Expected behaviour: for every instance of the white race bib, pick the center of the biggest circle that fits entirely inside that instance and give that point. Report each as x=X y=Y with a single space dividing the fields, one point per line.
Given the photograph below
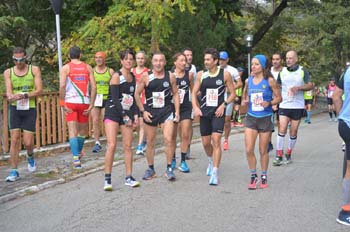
x=158 y=99
x=99 y=100
x=330 y=93
x=22 y=104
x=182 y=93
x=309 y=93
x=290 y=95
x=127 y=101
x=212 y=97
x=256 y=99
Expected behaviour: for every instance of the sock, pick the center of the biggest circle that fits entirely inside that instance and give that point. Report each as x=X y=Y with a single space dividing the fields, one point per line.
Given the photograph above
x=335 y=114
x=264 y=173
x=174 y=156
x=280 y=141
x=308 y=113
x=330 y=115
x=151 y=167
x=346 y=191
x=81 y=140
x=292 y=142
x=210 y=159
x=108 y=178
x=74 y=146
x=253 y=172
x=183 y=156
x=215 y=170
x=168 y=166
x=98 y=142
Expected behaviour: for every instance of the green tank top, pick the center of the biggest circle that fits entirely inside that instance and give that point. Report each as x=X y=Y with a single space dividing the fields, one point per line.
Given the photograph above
x=102 y=82
x=23 y=84
x=239 y=92
x=308 y=95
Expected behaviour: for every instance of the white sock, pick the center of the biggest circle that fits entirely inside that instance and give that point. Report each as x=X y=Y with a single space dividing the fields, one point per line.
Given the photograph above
x=292 y=142
x=280 y=141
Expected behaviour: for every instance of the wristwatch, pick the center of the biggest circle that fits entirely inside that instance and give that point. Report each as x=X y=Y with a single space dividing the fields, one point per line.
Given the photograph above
x=25 y=95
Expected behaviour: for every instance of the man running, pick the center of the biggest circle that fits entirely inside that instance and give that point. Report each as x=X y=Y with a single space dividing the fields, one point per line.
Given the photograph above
x=211 y=108
x=294 y=80
x=138 y=71
x=23 y=83
x=236 y=117
x=308 y=96
x=158 y=110
x=77 y=102
x=343 y=109
x=330 y=88
x=223 y=61
x=102 y=75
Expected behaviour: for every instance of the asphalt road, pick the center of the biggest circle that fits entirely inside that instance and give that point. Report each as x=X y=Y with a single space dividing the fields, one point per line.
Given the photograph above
x=303 y=196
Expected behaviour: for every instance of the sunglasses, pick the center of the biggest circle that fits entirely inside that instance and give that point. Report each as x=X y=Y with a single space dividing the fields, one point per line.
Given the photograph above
x=15 y=59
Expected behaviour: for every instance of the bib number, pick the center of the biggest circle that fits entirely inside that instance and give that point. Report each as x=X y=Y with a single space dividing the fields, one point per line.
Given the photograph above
x=290 y=95
x=212 y=97
x=257 y=99
x=127 y=101
x=182 y=93
x=99 y=100
x=22 y=104
x=158 y=99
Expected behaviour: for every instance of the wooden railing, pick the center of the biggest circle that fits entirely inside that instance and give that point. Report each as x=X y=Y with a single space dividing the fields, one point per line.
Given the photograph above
x=50 y=126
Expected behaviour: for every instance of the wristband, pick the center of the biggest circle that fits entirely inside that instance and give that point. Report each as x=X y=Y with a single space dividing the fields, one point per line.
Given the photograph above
x=62 y=103
x=141 y=112
x=225 y=104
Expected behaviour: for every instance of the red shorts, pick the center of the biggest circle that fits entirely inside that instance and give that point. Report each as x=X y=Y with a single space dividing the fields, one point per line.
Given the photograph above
x=77 y=114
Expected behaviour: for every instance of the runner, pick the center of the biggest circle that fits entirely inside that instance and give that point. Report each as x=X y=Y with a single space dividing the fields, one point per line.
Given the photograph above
x=76 y=77
x=223 y=61
x=184 y=82
x=211 y=108
x=121 y=112
x=261 y=92
x=329 y=93
x=23 y=84
x=308 y=96
x=138 y=71
x=102 y=75
x=236 y=117
x=294 y=80
x=343 y=109
x=158 y=111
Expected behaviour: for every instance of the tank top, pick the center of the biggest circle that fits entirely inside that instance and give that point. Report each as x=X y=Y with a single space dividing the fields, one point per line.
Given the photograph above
x=183 y=85
x=102 y=82
x=127 y=92
x=308 y=95
x=257 y=93
x=77 y=85
x=330 y=90
x=344 y=113
x=212 y=92
x=23 y=84
x=158 y=91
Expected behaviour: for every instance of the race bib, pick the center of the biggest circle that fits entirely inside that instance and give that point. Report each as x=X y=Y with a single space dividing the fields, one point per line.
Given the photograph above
x=257 y=99
x=290 y=95
x=212 y=97
x=158 y=99
x=127 y=101
x=23 y=104
x=309 y=93
x=182 y=93
x=99 y=100
x=330 y=94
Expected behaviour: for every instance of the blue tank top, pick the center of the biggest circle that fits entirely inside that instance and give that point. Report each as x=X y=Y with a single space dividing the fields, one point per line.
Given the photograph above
x=257 y=94
x=345 y=110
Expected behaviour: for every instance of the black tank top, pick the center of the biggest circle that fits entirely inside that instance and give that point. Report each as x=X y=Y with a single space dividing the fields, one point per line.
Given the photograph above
x=183 y=85
x=158 y=92
x=212 y=92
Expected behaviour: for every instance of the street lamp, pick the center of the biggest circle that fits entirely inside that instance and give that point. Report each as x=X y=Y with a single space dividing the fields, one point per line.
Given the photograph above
x=249 y=40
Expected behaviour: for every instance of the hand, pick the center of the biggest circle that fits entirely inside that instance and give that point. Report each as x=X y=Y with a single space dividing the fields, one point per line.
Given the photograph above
x=244 y=102
x=274 y=108
x=220 y=111
x=147 y=116
x=66 y=110
x=177 y=117
x=236 y=99
x=87 y=111
x=265 y=104
x=127 y=121
x=197 y=112
x=294 y=90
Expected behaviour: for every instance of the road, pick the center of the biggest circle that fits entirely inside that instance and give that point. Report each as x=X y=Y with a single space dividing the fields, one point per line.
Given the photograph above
x=303 y=196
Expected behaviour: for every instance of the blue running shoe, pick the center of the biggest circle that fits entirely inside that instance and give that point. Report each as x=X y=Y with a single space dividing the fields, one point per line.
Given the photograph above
x=97 y=148
x=169 y=174
x=13 y=176
x=139 y=150
x=76 y=162
x=31 y=163
x=344 y=218
x=149 y=174
x=209 y=168
x=173 y=163
x=144 y=146
x=184 y=167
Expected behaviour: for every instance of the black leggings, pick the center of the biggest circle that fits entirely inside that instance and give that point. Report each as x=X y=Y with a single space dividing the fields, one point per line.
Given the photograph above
x=344 y=132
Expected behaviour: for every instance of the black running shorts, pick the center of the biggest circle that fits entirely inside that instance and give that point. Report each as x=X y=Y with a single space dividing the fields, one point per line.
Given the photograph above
x=22 y=119
x=209 y=125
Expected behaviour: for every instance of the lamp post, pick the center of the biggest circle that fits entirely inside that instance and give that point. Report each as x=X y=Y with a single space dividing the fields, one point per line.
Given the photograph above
x=249 y=40
x=57 y=6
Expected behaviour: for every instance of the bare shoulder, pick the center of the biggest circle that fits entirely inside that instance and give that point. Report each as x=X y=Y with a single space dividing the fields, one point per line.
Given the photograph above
x=7 y=72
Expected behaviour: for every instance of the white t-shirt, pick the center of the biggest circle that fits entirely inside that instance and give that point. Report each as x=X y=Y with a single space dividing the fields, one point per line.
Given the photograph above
x=274 y=73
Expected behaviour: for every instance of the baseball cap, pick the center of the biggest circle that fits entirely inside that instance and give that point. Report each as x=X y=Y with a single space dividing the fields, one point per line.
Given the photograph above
x=223 y=55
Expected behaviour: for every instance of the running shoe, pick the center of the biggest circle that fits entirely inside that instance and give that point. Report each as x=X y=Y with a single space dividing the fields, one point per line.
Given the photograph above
x=225 y=146
x=149 y=174
x=31 y=163
x=263 y=183
x=344 y=217
x=270 y=147
x=97 y=148
x=309 y=122
x=214 y=180
x=108 y=185
x=239 y=124
x=184 y=167
x=209 y=168
x=330 y=120
x=336 y=119
x=173 y=163
x=130 y=181
x=343 y=147
x=13 y=176
x=277 y=161
x=288 y=159
x=169 y=174
x=253 y=182
x=139 y=150
x=188 y=153
x=76 y=162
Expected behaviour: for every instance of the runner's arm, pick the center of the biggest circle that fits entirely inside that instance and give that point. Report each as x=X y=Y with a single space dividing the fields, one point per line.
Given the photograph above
x=8 y=85
x=37 y=82
x=63 y=80
x=140 y=87
x=93 y=87
x=175 y=92
x=277 y=98
x=230 y=87
x=195 y=90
